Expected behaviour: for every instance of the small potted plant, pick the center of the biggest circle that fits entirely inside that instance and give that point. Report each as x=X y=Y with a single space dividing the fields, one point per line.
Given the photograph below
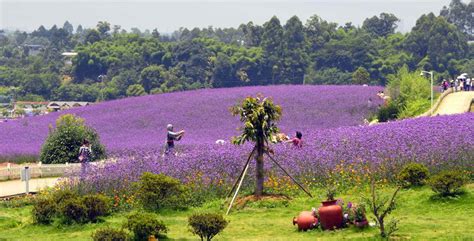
x=360 y=220
x=330 y=214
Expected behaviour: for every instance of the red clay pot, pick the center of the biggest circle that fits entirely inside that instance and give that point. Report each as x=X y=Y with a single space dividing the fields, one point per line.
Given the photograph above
x=305 y=221
x=330 y=215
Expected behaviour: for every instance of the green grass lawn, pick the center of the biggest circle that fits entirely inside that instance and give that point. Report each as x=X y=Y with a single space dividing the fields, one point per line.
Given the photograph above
x=421 y=218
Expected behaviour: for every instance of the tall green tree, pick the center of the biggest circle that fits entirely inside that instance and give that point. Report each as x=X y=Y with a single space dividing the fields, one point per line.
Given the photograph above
x=361 y=76
x=294 y=52
x=381 y=26
x=461 y=15
x=272 y=40
x=258 y=116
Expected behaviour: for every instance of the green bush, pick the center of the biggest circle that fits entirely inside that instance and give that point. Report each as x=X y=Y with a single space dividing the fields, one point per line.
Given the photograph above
x=96 y=205
x=62 y=195
x=73 y=211
x=44 y=210
x=448 y=183
x=207 y=225
x=157 y=191
x=388 y=112
x=413 y=174
x=415 y=108
x=63 y=143
x=109 y=234
x=142 y=225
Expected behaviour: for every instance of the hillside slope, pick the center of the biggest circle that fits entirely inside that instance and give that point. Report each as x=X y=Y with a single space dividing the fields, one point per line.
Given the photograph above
x=204 y=114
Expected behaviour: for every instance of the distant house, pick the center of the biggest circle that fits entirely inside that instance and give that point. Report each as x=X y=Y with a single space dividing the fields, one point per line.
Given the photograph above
x=63 y=105
x=68 y=57
x=33 y=49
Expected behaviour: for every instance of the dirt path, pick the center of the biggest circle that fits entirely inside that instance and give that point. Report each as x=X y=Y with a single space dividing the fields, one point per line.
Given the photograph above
x=8 y=188
x=455 y=103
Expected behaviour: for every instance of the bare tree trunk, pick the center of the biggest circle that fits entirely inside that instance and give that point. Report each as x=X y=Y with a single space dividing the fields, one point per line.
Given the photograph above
x=259 y=170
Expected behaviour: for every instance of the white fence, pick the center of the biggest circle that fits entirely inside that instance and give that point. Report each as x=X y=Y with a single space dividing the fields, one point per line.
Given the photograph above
x=37 y=170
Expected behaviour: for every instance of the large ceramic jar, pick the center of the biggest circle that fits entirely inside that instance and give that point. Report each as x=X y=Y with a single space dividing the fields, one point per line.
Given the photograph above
x=305 y=221
x=330 y=215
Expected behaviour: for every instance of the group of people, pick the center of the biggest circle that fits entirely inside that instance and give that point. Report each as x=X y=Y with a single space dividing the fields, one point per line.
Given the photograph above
x=85 y=151
x=461 y=83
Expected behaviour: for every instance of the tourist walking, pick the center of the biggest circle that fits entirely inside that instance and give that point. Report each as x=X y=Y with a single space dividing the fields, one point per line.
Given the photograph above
x=171 y=137
x=467 y=85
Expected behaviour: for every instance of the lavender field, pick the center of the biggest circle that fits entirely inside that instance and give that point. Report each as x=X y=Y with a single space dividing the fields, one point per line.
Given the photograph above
x=350 y=153
x=140 y=122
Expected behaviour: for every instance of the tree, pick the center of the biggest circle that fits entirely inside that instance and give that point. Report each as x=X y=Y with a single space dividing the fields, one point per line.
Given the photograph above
x=461 y=15
x=152 y=77
x=103 y=27
x=63 y=143
x=272 y=45
x=258 y=115
x=294 y=54
x=92 y=36
x=436 y=41
x=381 y=26
x=67 y=26
x=135 y=90
x=223 y=72
x=361 y=76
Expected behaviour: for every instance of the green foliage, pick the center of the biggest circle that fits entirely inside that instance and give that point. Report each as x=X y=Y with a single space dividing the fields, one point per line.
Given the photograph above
x=413 y=174
x=390 y=111
x=142 y=225
x=415 y=108
x=109 y=234
x=63 y=142
x=158 y=191
x=96 y=205
x=361 y=76
x=136 y=90
x=330 y=193
x=381 y=206
x=72 y=211
x=44 y=210
x=258 y=115
x=207 y=225
x=410 y=93
x=381 y=26
x=448 y=183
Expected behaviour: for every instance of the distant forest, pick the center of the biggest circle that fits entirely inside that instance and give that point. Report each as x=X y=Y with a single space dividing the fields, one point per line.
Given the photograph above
x=114 y=63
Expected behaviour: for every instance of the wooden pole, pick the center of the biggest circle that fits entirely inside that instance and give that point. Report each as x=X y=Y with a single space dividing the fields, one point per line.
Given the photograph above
x=242 y=172
x=302 y=188
x=238 y=187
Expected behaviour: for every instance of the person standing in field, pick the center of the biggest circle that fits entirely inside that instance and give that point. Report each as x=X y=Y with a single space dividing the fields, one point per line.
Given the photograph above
x=85 y=156
x=467 y=85
x=171 y=137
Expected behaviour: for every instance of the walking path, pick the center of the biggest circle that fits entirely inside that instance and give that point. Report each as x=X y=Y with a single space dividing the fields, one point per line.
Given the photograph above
x=455 y=103
x=14 y=187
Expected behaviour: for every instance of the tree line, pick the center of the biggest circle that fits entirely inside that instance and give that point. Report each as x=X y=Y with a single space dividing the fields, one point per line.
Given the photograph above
x=112 y=62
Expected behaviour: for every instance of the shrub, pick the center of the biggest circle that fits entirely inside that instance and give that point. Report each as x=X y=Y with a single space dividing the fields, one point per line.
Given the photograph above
x=157 y=191
x=142 y=225
x=73 y=211
x=448 y=183
x=109 y=234
x=63 y=143
x=413 y=174
x=388 y=112
x=44 y=210
x=207 y=225
x=96 y=205
x=62 y=195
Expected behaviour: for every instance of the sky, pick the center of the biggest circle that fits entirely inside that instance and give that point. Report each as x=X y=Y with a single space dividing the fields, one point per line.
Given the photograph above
x=167 y=16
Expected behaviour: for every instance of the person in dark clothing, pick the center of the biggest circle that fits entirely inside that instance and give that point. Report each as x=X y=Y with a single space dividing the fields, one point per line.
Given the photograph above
x=171 y=137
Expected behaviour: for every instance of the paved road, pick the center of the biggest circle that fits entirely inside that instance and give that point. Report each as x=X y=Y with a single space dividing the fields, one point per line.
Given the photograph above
x=8 y=188
x=455 y=103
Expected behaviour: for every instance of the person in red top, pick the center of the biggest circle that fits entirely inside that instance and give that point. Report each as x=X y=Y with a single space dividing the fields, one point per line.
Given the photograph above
x=297 y=141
